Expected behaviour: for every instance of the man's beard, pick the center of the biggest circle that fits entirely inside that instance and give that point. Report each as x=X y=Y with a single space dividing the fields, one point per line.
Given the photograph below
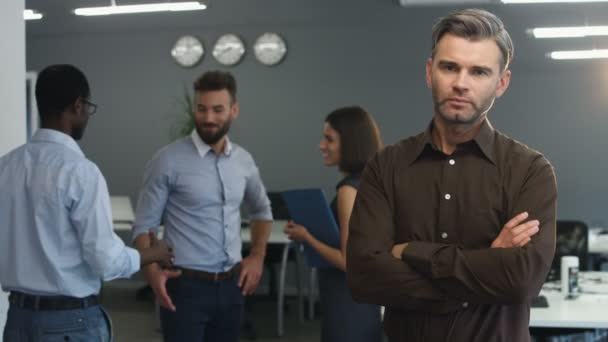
x=212 y=138
x=477 y=112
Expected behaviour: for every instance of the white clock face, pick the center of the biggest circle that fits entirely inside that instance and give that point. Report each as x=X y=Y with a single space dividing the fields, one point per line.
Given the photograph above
x=187 y=51
x=270 y=49
x=229 y=49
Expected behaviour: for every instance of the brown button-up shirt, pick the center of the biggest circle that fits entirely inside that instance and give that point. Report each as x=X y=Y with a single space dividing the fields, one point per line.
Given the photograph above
x=450 y=285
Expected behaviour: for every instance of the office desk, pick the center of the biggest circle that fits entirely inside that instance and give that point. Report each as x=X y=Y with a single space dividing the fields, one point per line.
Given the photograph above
x=122 y=210
x=588 y=311
x=122 y=214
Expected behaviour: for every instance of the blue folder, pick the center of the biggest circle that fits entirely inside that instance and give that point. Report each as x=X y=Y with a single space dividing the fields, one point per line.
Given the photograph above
x=309 y=208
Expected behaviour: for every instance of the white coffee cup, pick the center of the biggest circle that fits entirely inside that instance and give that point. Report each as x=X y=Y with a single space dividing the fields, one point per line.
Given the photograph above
x=569 y=275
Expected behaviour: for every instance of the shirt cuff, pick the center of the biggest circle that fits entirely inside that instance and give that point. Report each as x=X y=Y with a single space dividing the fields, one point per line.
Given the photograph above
x=261 y=216
x=428 y=259
x=134 y=260
x=139 y=229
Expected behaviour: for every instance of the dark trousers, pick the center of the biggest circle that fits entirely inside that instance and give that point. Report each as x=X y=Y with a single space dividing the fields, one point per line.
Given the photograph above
x=206 y=310
x=343 y=319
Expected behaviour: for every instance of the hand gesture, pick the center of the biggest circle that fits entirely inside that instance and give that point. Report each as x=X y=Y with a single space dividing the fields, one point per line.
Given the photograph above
x=516 y=232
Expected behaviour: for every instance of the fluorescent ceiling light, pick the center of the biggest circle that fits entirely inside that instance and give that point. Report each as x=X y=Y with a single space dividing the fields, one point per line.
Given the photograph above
x=547 y=1
x=569 y=32
x=143 y=8
x=29 y=14
x=579 y=54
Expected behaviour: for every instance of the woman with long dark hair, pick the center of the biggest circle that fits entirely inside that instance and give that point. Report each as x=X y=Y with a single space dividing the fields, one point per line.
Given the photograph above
x=350 y=138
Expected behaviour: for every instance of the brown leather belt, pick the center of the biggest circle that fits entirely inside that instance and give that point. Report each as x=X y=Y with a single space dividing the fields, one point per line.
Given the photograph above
x=211 y=276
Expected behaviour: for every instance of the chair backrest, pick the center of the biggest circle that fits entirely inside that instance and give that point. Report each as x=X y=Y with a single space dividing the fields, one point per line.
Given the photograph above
x=279 y=208
x=572 y=238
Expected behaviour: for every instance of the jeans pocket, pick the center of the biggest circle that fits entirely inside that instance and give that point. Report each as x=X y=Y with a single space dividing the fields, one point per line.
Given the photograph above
x=70 y=330
x=108 y=319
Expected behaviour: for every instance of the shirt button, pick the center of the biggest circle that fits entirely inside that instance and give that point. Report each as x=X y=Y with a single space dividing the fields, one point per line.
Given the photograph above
x=465 y=305
x=447 y=196
x=452 y=162
x=444 y=235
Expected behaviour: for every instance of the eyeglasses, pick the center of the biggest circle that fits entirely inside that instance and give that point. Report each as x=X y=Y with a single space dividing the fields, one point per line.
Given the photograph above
x=91 y=107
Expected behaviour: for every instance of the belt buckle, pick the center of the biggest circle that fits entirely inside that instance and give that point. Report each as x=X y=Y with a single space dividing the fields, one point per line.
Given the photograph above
x=215 y=276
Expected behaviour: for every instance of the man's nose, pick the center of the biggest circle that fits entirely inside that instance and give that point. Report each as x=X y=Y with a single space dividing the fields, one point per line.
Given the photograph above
x=461 y=82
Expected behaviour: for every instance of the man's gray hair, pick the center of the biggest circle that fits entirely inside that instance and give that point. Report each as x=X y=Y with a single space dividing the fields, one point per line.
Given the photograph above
x=475 y=24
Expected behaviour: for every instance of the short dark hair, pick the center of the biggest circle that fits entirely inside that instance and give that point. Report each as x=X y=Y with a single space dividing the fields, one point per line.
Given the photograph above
x=217 y=80
x=475 y=24
x=359 y=137
x=59 y=86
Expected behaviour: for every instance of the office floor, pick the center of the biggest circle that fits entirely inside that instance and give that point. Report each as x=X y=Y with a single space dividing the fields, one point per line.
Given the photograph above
x=134 y=321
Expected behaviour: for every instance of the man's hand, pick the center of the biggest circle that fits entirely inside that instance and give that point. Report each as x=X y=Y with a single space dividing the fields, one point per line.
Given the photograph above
x=398 y=250
x=251 y=272
x=158 y=251
x=516 y=232
x=157 y=278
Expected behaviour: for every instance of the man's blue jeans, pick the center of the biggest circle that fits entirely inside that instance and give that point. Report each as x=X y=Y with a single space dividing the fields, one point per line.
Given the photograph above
x=207 y=311
x=81 y=325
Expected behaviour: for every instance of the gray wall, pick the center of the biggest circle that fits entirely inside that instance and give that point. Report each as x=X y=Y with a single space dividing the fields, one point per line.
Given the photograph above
x=363 y=52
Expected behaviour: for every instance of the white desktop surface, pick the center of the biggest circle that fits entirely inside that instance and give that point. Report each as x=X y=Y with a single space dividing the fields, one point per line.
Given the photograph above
x=586 y=311
x=122 y=210
x=122 y=213
x=277 y=236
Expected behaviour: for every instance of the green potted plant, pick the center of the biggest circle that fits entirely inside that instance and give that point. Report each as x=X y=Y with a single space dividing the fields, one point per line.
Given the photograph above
x=184 y=120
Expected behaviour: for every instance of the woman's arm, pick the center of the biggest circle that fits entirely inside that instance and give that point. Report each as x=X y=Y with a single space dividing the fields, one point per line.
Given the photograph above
x=337 y=257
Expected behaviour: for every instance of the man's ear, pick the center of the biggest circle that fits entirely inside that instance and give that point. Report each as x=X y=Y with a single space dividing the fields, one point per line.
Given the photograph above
x=503 y=83
x=235 y=110
x=429 y=68
x=76 y=106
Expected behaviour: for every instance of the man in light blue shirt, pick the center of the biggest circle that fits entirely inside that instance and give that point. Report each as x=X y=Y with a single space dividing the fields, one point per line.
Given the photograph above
x=57 y=240
x=195 y=187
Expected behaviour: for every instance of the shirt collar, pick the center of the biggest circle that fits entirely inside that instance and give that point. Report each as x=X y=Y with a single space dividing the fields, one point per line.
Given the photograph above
x=55 y=136
x=484 y=140
x=203 y=148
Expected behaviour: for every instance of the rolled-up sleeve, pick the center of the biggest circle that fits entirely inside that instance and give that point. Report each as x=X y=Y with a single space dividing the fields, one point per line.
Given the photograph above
x=153 y=196
x=256 y=199
x=91 y=216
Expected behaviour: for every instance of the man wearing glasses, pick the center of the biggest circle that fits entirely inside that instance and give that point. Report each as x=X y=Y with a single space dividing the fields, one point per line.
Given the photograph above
x=57 y=240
